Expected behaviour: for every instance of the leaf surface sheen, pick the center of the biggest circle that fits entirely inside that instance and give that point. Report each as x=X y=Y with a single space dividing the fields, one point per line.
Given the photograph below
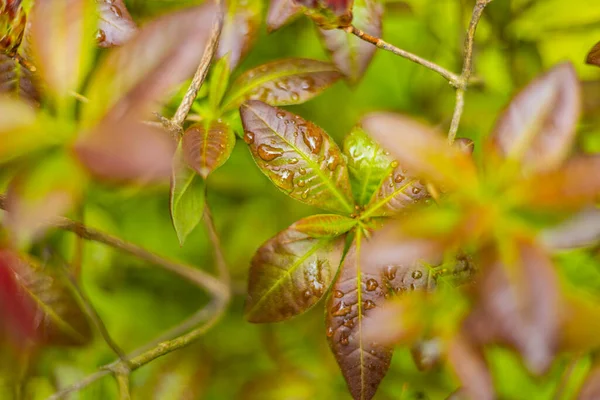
x=281 y=13
x=207 y=146
x=116 y=25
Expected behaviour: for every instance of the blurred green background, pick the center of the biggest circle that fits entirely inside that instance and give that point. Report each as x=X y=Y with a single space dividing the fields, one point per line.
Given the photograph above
x=516 y=40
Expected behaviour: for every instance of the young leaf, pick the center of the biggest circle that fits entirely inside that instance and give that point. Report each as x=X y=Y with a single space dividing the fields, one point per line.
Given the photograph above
x=59 y=319
x=138 y=74
x=290 y=273
x=187 y=197
x=281 y=12
x=325 y=226
x=297 y=156
x=116 y=25
x=358 y=290
x=593 y=57
x=17 y=81
x=282 y=83
x=240 y=29
x=219 y=81
x=206 y=146
x=538 y=128
x=349 y=53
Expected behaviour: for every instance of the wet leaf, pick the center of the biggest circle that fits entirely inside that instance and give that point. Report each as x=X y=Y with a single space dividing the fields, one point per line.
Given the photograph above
x=520 y=310
x=298 y=157
x=324 y=226
x=240 y=29
x=538 y=128
x=133 y=77
x=358 y=291
x=290 y=273
x=187 y=197
x=470 y=366
x=13 y=19
x=219 y=81
x=421 y=150
x=593 y=57
x=58 y=317
x=206 y=146
x=116 y=25
x=283 y=82
x=17 y=81
x=281 y=12
x=62 y=43
x=349 y=53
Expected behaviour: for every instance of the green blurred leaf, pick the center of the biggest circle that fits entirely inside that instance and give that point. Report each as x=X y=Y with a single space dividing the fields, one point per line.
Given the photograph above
x=219 y=81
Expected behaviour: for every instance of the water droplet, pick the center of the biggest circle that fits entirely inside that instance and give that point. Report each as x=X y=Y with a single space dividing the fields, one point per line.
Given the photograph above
x=313 y=139
x=333 y=161
x=249 y=137
x=308 y=294
x=372 y=285
x=413 y=286
x=369 y=305
x=286 y=179
x=338 y=294
x=344 y=340
x=305 y=194
x=417 y=274
x=116 y=10
x=301 y=183
x=329 y=331
x=295 y=96
x=280 y=115
x=416 y=190
x=294 y=161
x=340 y=310
x=349 y=323
x=394 y=164
x=399 y=178
x=281 y=85
x=390 y=272
x=100 y=36
x=302 y=171
x=269 y=153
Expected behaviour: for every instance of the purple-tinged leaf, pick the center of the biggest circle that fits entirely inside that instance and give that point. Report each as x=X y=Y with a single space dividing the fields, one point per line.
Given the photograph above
x=593 y=57
x=281 y=12
x=519 y=309
x=421 y=150
x=325 y=226
x=349 y=53
x=206 y=146
x=358 y=291
x=290 y=273
x=116 y=25
x=582 y=230
x=137 y=75
x=471 y=368
x=282 y=83
x=187 y=197
x=240 y=29
x=297 y=156
x=538 y=128
x=17 y=81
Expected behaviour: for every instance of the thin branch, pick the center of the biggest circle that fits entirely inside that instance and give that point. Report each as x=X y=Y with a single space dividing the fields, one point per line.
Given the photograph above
x=82 y=384
x=122 y=379
x=450 y=76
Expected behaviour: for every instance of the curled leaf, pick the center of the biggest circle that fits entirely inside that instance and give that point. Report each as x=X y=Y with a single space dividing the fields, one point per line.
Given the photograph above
x=291 y=273
x=281 y=12
x=206 y=146
x=240 y=29
x=593 y=57
x=281 y=83
x=116 y=25
x=298 y=157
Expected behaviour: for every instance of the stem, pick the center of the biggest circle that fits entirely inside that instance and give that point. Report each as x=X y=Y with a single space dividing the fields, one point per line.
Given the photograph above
x=123 y=384
x=450 y=76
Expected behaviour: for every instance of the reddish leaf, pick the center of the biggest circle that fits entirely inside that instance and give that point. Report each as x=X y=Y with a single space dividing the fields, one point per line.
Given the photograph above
x=207 y=148
x=240 y=29
x=298 y=157
x=349 y=53
x=116 y=25
x=521 y=311
x=329 y=14
x=283 y=82
x=138 y=74
x=359 y=289
x=470 y=366
x=281 y=12
x=421 y=150
x=290 y=273
x=12 y=25
x=582 y=230
x=17 y=81
x=538 y=127
x=593 y=57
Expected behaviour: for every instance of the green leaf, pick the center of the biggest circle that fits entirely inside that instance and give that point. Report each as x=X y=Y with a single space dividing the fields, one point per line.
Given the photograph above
x=17 y=81
x=240 y=29
x=290 y=273
x=281 y=83
x=298 y=157
x=207 y=146
x=219 y=81
x=325 y=226
x=187 y=197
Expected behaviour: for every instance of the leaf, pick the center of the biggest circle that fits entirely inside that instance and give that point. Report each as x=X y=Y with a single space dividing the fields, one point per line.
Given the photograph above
x=325 y=226
x=590 y=390
x=420 y=149
x=20 y=130
x=281 y=12
x=206 y=146
x=328 y=14
x=582 y=230
x=349 y=53
x=359 y=289
x=187 y=197
x=133 y=77
x=17 y=81
x=116 y=25
x=58 y=317
x=12 y=25
x=219 y=81
x=240 y=29
x=519 y=309
x=593 y=57
x=297 y=156
x=62 y=42
x=580 y=323
x=538 y=128
x=470 y=366
x=290 y=273
x=282 y=83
